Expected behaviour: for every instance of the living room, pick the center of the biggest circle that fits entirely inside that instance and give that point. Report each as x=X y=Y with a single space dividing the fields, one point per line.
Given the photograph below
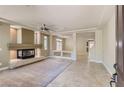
x=47 y=50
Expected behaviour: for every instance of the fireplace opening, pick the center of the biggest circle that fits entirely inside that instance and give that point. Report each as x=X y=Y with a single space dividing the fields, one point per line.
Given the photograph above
x=25 y=53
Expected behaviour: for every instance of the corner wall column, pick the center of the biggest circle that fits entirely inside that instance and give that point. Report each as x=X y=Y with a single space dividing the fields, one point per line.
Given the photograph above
x=51 y=44
x=74 y=41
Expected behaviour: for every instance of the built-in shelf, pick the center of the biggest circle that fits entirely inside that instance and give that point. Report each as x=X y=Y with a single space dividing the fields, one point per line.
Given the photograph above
x=13 y=46
x=62 y=54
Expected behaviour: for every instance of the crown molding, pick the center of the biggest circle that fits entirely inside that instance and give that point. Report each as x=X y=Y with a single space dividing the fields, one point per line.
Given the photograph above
x=93 y=29
x=15 y=23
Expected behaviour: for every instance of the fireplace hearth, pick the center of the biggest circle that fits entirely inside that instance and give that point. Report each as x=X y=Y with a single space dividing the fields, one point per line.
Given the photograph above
x=25 y=53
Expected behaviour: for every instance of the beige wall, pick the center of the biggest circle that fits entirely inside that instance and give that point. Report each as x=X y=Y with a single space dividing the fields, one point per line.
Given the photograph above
x=27 y=36
x=45 y=52
x=69 y=44
x=63 y=43
x=13 y=54
x=54 y=42
x=23 y=36
x=81 y=45
x=13 y=35
x=82 y=39
x=77 y=43
x=109 y=44
x=4 y=40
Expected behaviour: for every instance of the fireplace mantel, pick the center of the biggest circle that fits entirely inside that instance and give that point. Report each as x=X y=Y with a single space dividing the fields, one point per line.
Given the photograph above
x=14 y=46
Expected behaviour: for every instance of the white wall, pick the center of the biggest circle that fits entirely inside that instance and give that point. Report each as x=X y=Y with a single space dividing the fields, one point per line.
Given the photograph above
x=109 y=44
x=74 y=54
x=96 y=53
x=99 y=46
x=81 y=40
x=4 y=40
x=69 y=44
x=92 y=53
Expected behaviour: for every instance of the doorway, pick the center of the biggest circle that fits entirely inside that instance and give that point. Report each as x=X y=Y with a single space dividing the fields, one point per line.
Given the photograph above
x=85 y=41
x=90 y=50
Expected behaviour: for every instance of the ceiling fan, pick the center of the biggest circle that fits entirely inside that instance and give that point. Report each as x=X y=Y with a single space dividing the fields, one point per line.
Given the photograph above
x=44 y=27
x=47 y=28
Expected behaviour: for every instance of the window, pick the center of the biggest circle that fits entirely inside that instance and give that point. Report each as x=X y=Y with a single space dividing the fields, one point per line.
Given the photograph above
x=58 y=44
x=45 y=42
x=37 y=37
x=91 y=44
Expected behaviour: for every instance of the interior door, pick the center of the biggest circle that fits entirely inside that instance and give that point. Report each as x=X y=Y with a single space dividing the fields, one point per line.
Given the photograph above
x=120 y=45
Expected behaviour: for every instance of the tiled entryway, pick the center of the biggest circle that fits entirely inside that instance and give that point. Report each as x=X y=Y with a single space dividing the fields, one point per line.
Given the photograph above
x=83 y=74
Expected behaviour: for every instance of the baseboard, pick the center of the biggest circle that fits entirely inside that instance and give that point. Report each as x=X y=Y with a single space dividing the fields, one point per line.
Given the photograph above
x=96 y=61
x=4 y=68
x=60 y=57
x=107 y=68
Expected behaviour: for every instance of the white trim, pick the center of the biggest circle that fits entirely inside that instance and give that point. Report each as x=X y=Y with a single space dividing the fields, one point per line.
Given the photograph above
x=93 y=29
x=61 y=57
x=4 y=68
x=16 y=23
x=96 y=61
x=107 y=68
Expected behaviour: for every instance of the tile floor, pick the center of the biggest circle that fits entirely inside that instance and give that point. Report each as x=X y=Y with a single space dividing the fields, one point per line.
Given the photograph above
x=83 y=74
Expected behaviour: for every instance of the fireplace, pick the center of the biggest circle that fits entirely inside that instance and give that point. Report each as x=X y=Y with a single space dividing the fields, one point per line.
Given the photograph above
x=25 y=53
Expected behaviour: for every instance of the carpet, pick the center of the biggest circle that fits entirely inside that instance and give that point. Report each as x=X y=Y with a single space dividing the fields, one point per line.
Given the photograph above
x=38 y=74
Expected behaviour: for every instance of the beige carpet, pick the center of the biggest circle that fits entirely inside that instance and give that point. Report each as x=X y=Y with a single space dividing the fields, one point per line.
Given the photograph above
x=39 y=74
